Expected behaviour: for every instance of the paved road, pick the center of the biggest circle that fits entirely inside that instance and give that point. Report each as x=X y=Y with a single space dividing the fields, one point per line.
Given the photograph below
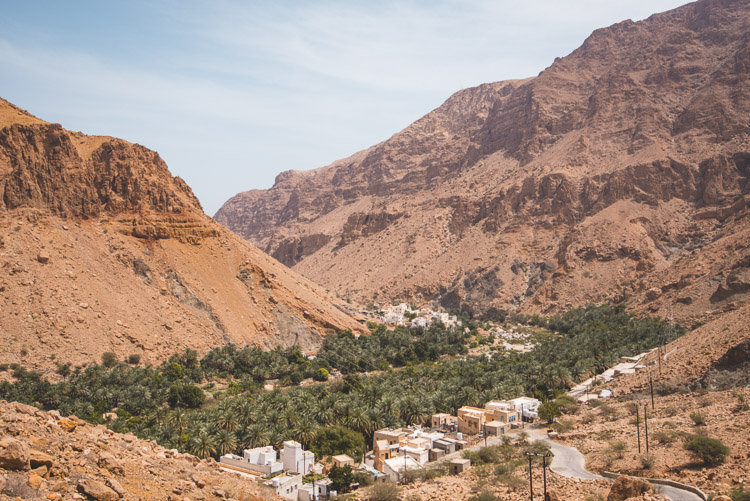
x=568 y=462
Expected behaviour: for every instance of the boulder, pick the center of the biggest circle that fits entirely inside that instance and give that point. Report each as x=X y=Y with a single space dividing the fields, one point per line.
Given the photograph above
x=97 y=490
x=109 y=462
x=38 y=458
x=43 y=257
x=628 y=487
x=67 y=424
x=35 y=481
x=116 y=486
x=722 y=498
x=14 y=454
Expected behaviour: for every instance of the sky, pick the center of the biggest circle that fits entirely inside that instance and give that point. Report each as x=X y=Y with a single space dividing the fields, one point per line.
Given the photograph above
x=231 y=93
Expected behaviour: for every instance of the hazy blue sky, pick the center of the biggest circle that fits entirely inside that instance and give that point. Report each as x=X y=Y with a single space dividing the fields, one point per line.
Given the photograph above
x=231 y=93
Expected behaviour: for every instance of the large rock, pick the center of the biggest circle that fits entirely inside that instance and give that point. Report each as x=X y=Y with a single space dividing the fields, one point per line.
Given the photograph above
x=97 y=490
x=14 y=454
x=38 y=458
x=67 y=424
x=109 y=462
x=628 y=487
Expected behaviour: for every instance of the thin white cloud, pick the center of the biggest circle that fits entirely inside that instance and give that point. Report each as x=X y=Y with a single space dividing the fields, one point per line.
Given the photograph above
x=232 y=92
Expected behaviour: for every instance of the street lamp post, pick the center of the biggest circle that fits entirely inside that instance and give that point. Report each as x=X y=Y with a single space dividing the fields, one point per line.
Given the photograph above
x=544 y=472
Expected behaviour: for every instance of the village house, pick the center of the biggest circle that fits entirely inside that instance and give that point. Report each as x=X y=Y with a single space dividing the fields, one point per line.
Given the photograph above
x=460 y=466
x=382 y=451
x=394 y=467
x=342 y=460
x=528 y=407
x=495 y=428
x=260 y=460
x=322 y=490
x=296 y=460
x=418 y=454
x=286 y=486
x=472 y=419
x=444 y=421
x=504 y=412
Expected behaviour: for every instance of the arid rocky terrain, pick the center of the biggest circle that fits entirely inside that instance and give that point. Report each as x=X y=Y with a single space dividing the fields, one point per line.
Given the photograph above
x=47 y=456
x=619 y=173
x=101 y=249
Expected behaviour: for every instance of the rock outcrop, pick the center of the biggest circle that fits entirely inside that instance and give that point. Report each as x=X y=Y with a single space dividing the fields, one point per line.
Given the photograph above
x=623 y=167
x=93 y=462
x=101 y=249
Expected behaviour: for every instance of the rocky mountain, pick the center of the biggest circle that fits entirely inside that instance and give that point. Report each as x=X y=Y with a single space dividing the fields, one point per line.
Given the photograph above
x=46 y=456
x=619 y=173
x=101 y=249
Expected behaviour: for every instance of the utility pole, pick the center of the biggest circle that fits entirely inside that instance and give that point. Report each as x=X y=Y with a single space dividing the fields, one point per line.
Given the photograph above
x=645 y=422
x=484 y=432
x=651 y=382
x=638 y=425
x=531 y=481
x=544 y=472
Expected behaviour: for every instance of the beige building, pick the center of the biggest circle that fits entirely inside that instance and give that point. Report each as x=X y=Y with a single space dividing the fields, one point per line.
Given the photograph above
x=343 y=460
x=472 y=419
x=443 y=420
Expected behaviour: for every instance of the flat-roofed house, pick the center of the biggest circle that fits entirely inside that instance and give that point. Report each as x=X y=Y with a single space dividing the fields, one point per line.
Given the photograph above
x=443 y=420
x=286 y=486
x=260 y=460
x=343 y=460
x=471 y=419
x=295 y=459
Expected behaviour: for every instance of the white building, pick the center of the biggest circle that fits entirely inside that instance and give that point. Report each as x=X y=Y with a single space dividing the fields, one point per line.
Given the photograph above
x=419 y=322
x=529 y=407
x=295 y=459
x=322 y=491
x=260 y=460
x=418 y=454
x=394 y=467
x=286 y=486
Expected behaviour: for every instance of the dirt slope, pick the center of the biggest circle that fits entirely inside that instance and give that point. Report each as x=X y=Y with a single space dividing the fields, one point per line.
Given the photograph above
x=619 y=171
x=46 y=456
x=101 y=249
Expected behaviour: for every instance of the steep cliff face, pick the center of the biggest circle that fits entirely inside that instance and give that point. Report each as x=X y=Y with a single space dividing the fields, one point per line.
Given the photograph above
x=101 y=249
x=621 y=168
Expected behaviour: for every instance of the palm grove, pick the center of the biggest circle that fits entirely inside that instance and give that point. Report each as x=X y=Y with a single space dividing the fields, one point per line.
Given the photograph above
x=217 y=405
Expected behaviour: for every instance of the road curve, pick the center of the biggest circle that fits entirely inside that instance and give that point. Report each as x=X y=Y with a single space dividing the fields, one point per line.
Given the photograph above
x=568 y=462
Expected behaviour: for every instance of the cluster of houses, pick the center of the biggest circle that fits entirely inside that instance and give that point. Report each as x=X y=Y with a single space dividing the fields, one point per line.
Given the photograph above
x=394 y=450
x=286 y=470
x=397 y=450
x=402 y=314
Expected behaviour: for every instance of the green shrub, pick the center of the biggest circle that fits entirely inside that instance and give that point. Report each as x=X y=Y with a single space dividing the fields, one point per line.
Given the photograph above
x=710 y=451
x=134 y=359
x=109 y=359
x=511 y=481
x=384 y=491
x=647 y=461
x=338 y=440
x=698 y=418
x=664 y=437
x=321 y=374
x=485 y=495
x=489 y=454
x=564 y=425
x=548 y=411
x=739 y=494
x=617 y=448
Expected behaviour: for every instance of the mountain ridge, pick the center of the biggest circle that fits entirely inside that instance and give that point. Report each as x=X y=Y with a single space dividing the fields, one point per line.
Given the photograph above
x=578 y=185
x=101 y=249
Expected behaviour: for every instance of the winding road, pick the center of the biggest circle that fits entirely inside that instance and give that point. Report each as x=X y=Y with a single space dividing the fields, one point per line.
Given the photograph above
x=568 y=462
